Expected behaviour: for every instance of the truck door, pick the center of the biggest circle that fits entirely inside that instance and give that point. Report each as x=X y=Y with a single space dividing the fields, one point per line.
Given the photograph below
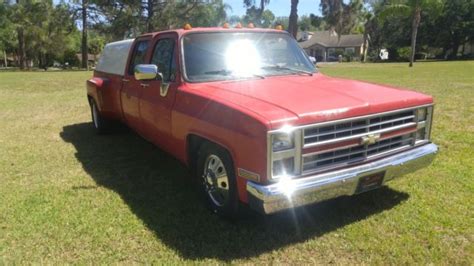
x=132 y=88
x=157 y=99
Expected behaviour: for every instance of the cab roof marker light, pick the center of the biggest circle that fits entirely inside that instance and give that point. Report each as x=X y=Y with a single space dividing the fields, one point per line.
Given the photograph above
x=187 y=26
x=238 y=26
x=250 y=25
x=225 y=25
x=279 y=27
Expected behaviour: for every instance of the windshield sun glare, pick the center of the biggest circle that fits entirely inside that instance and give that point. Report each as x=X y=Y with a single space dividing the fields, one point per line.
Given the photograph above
x=214 y=56
x=242 y=58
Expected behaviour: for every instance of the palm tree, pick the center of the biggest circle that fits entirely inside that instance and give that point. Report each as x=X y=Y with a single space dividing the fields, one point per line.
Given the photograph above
x=293 y=20
x=369 y=20
x=414 y=8
x=263 y=3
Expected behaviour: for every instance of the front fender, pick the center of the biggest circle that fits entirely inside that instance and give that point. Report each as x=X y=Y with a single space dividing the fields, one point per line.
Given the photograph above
x=240 y=133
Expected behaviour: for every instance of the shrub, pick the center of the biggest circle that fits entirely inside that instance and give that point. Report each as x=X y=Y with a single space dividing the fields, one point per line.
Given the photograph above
x=404 y=53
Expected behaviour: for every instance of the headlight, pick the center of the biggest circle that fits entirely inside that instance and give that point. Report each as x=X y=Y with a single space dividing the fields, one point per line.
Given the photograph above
x=282 y=141
x=283 y=167
x=424 y=117
x=421 y=114
x=284 y=151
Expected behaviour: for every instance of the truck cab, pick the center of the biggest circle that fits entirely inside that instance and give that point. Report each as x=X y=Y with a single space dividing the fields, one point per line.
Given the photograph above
x=247 y=111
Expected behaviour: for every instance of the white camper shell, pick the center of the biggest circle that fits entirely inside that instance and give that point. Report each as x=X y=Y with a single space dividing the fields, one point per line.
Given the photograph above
x=114 y=57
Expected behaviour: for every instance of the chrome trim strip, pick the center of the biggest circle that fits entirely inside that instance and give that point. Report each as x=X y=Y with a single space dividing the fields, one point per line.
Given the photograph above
x=356 y=152
x=359 y=135
x=298 y=192
x=354 y=118
x=348 y=163
x=360 y=127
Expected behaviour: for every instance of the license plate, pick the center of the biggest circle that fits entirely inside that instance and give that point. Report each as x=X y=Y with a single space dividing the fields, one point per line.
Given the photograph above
x=370 y=182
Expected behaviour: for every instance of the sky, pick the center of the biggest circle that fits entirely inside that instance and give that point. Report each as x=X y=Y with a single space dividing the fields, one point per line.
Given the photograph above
x=281 y=8
x=278 y=7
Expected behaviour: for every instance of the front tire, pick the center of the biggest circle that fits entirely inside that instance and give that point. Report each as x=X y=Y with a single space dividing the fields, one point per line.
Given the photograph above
x=217 y=180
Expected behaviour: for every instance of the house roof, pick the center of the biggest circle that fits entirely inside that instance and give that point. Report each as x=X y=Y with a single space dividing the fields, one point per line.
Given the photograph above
x=90 y=57
x=328 y=39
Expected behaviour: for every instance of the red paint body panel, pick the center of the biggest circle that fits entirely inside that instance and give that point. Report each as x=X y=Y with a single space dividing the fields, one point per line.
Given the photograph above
x=302 y=99
x=238 y=114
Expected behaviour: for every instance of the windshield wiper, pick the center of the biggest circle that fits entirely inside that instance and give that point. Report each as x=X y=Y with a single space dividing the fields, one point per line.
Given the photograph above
x=223 y=72
x=277 y=67
x=226 y=72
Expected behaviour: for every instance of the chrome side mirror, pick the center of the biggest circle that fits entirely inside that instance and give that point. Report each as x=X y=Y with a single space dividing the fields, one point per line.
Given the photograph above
x=146 y=72
x=312 y=59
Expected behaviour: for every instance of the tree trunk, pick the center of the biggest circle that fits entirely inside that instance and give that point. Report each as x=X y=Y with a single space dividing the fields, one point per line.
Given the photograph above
x=21 y=48
x=84 y=35
x=150 y=11
x=293 y=23
x=21 y=45
x=5 y=58
x=364 y=48
x=366 y=42
x=414 y=31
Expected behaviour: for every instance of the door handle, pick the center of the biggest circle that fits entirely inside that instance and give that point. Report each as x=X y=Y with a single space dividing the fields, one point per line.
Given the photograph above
x=125 y=80
x=144 y=85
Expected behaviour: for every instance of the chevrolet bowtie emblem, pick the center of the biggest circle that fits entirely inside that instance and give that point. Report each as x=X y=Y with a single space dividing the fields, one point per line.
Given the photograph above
x=370 y=139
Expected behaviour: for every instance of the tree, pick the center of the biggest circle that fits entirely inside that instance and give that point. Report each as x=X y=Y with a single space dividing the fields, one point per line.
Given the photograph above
x=84 y=49
x=341 y=17
x=256 y=12
x=7 y=33
x=368 y=25
x=455 y=27
x=413 y=7
x=19 y=18
x=293 y=22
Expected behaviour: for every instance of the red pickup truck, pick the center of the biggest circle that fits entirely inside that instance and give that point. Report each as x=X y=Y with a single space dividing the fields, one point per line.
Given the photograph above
x=246 y=110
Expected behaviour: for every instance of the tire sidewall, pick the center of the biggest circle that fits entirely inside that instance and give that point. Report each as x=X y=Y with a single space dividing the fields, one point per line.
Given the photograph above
x=101 y=125
x=95 y=116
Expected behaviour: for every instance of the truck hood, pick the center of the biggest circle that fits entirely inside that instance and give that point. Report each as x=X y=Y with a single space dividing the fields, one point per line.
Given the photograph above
x=298 y=100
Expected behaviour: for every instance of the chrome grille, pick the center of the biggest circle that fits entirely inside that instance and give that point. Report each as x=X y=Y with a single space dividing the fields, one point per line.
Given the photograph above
x=344 y=156
x=358 y=127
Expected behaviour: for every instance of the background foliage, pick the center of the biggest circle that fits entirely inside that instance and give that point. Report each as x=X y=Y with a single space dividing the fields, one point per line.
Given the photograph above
x=39 y=32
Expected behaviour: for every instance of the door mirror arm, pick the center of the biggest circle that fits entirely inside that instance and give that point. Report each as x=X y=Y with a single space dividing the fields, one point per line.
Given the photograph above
x=150 y=72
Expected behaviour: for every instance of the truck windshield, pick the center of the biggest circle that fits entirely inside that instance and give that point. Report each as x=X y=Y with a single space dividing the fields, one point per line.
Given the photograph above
x=238 y=55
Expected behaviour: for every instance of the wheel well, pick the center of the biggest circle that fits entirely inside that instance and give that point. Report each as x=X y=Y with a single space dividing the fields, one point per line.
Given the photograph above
x=90 y=99
x=194 y=143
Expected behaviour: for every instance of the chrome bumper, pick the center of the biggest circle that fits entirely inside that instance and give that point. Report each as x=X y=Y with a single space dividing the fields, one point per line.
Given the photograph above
x=297 y=192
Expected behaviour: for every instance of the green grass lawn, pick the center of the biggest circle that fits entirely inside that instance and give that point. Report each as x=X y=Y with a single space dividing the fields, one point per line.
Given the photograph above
x=67 y=195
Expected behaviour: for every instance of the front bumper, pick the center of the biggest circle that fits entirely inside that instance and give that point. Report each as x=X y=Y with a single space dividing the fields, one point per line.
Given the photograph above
x=297 y=192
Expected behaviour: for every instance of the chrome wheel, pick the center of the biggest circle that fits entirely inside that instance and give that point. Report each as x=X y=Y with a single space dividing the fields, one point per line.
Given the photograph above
x=215 y=180
x=95 y=115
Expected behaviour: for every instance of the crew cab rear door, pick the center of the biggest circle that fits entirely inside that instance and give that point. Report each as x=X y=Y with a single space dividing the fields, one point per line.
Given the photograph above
x=132 y=88
x=158 y=96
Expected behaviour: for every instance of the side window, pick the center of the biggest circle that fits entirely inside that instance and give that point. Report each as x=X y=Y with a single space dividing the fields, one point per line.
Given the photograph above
x=163 y=57
x=138 y=57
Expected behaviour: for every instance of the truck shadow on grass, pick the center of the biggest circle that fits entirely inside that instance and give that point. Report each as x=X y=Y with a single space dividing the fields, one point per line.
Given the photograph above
x=160 y=192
